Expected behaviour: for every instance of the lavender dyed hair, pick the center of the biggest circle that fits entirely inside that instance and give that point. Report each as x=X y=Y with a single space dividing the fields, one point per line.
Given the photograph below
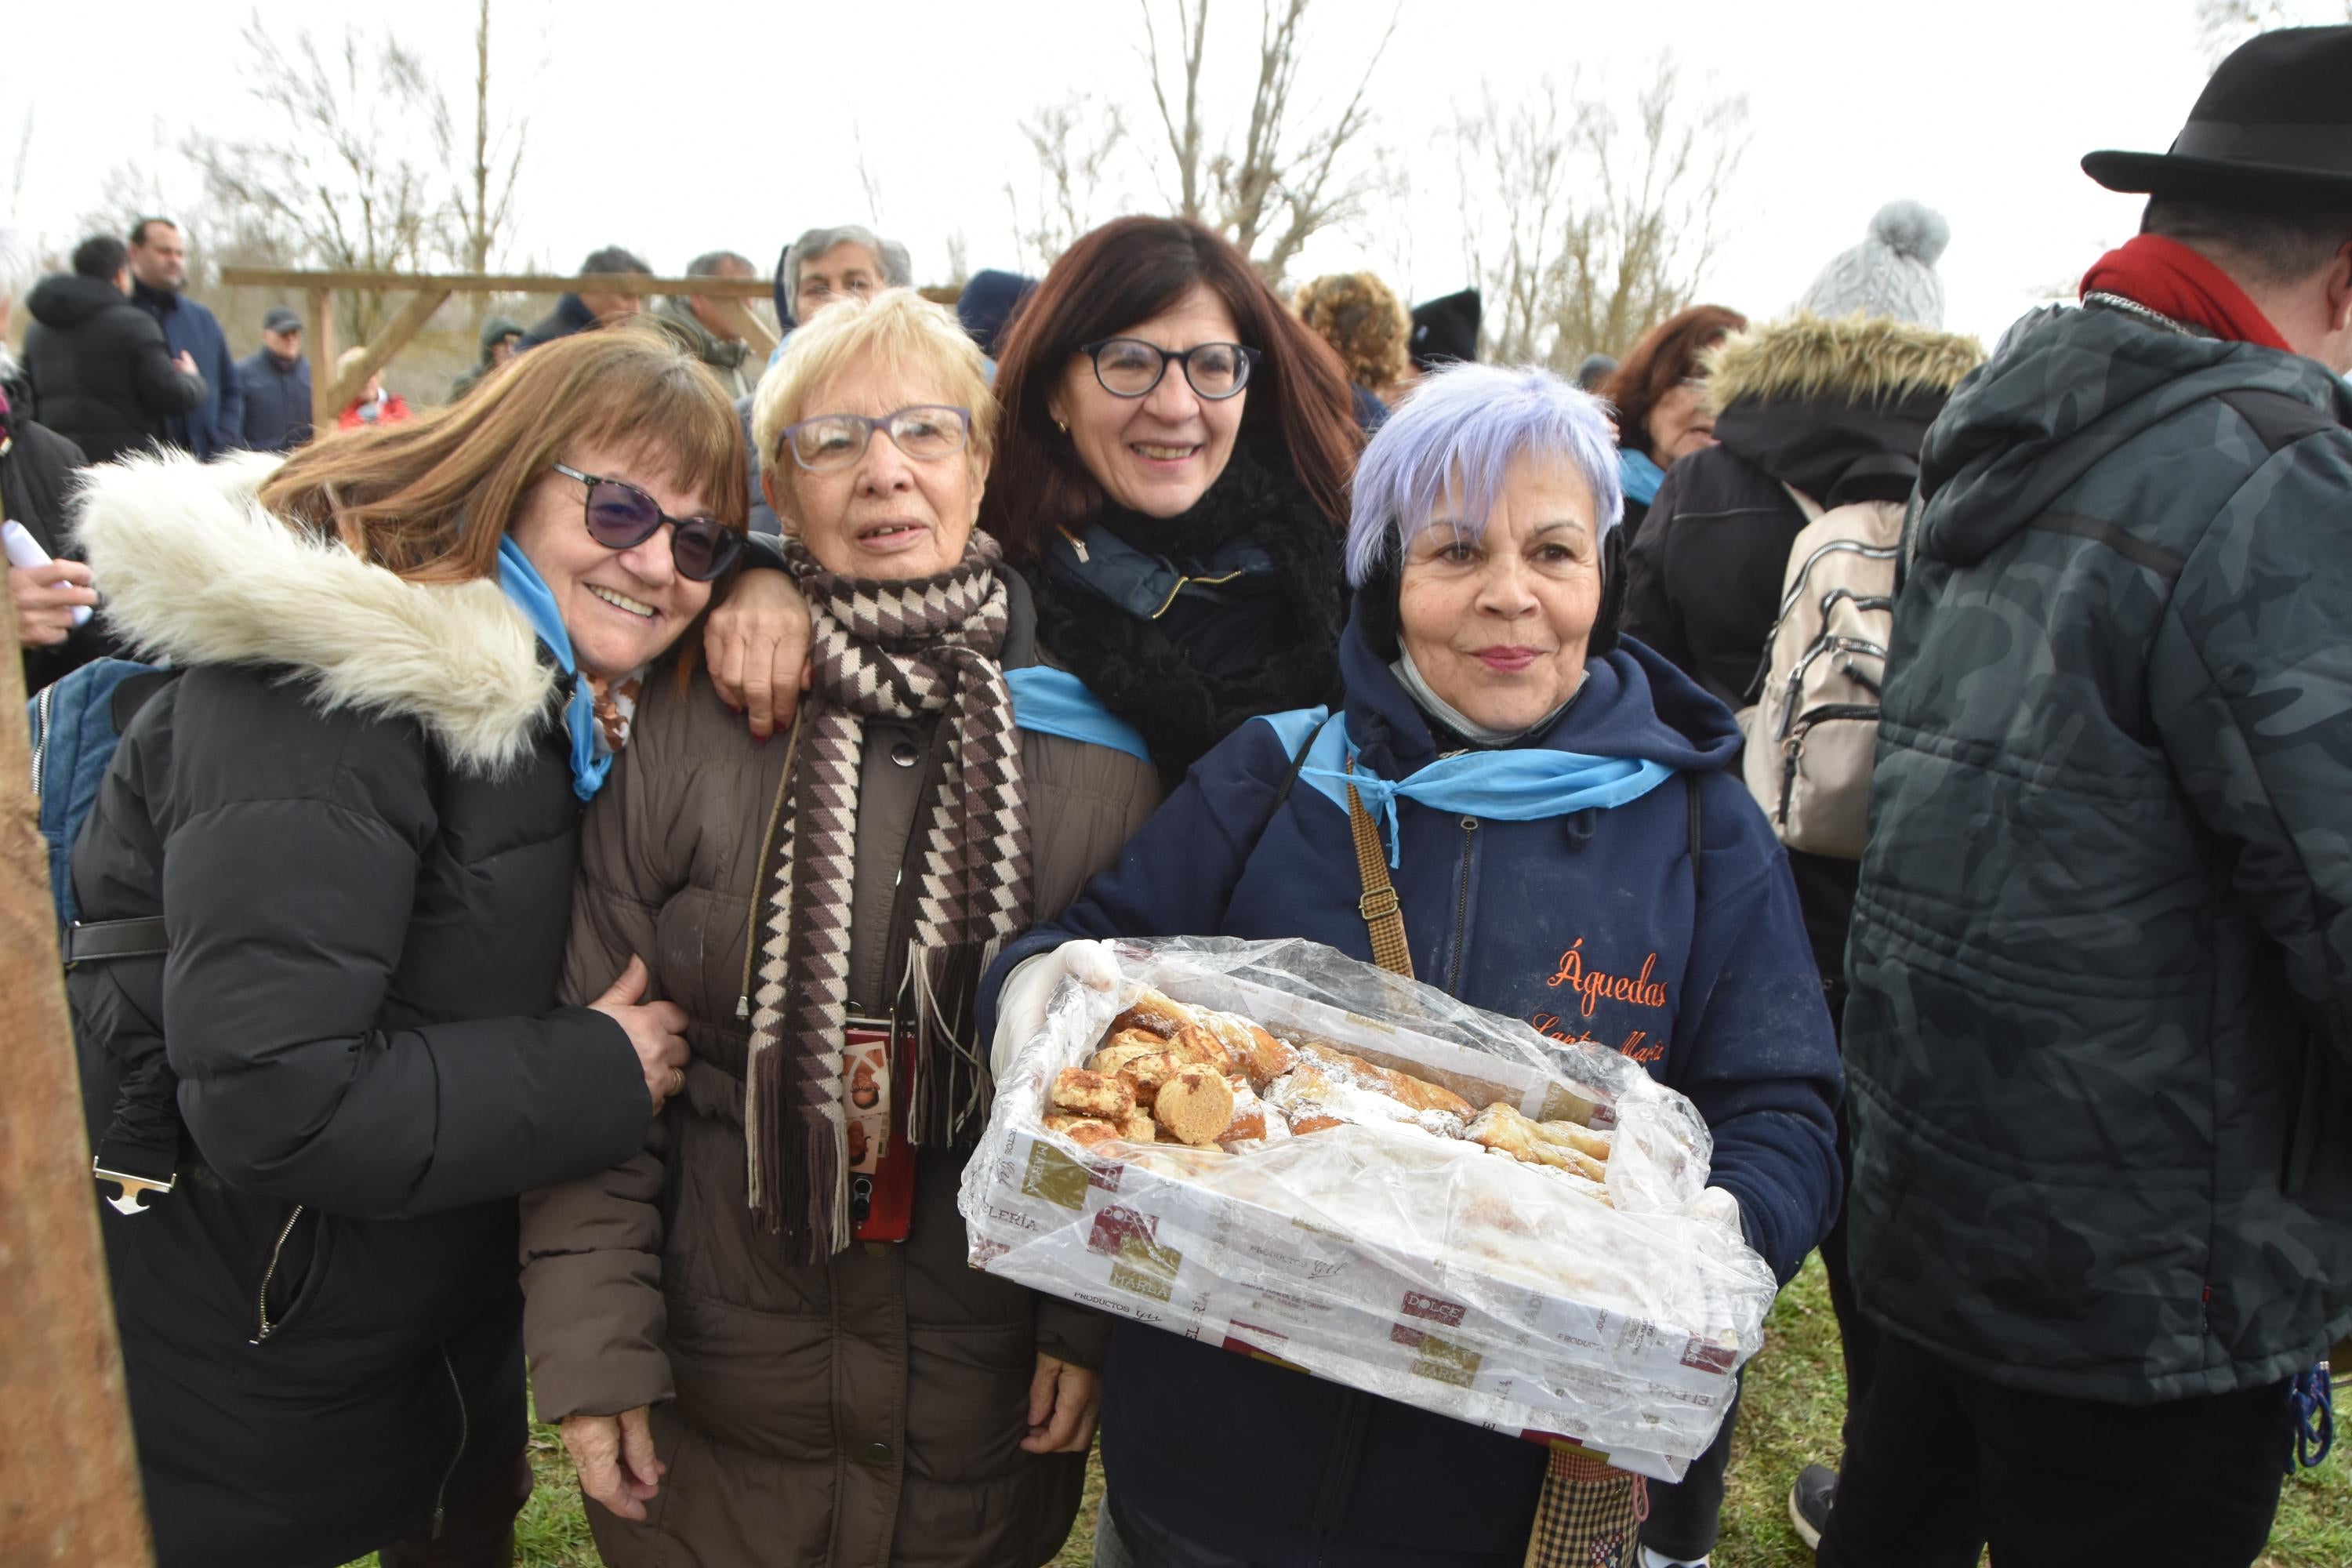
x=1466 y=424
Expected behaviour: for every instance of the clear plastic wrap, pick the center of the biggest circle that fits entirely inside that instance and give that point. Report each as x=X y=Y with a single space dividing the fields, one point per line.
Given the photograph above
x=1417 y=1268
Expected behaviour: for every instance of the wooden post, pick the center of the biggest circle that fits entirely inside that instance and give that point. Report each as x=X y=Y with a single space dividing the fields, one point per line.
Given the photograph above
x=65 y=1428
x=395 y=337
x=324 y=408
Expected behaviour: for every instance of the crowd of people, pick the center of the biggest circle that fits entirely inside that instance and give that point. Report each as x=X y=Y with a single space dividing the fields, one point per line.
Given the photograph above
x=455 y=942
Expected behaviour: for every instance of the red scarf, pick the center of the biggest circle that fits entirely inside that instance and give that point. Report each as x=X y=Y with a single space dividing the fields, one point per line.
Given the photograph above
x=2173 y=281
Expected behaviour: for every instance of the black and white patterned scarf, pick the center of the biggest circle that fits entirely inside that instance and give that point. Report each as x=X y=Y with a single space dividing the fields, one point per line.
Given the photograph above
x=882 y=649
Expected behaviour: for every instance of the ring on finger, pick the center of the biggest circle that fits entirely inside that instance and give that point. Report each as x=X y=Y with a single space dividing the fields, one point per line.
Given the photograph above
x=677 y=1079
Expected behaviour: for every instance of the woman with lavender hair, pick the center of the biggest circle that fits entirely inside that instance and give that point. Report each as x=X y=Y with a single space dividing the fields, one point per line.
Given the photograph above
x=1561 y=813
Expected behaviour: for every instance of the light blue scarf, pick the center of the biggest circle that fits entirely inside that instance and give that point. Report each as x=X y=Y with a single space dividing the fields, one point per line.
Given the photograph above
x=1052 y=702
x=1527 y=784
x=1640 y=476
x=530 y=593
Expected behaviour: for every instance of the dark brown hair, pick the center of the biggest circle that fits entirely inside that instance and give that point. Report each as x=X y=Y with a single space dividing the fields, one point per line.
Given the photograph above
x=431 y=498
x=1124 y=273
x=1667 y=356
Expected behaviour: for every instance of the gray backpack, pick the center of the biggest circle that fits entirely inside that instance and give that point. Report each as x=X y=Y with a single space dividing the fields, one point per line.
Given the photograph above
x=1812 y=731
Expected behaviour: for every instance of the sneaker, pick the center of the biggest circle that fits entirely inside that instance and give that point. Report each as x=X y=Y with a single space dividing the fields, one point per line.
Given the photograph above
x=1650 y=1559
x=1810 y=1500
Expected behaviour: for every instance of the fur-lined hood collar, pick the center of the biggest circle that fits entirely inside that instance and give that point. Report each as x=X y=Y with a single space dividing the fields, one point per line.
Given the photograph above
x=195 y=571
x=1856 y=360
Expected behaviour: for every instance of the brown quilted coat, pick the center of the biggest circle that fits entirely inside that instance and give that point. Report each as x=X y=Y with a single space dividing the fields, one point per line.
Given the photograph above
x=863 y=1412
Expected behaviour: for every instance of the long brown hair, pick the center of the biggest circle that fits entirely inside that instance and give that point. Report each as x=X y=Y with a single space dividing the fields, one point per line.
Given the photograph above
x=430 y=498
x=1123 y=273
x=1667 y=356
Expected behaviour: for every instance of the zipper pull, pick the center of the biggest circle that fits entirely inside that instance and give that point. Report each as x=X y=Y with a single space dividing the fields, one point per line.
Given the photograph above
x=743 y=1007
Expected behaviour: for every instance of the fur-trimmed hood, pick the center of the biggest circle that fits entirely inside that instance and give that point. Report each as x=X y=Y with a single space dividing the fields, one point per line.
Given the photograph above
x=1824 y=405
x=195 y=571
x=1860 y=359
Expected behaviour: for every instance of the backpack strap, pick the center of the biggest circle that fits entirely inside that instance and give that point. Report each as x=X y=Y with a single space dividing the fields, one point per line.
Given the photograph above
x=95 y=942
x=1379 y=906
x=1298 y=762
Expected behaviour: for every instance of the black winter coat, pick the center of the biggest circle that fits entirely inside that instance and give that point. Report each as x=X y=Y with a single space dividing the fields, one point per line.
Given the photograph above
x=102 y=375
x=1835 y=409
x=371 y=831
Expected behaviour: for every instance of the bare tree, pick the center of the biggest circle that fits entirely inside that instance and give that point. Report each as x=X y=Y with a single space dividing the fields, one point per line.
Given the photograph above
x=1585 y=221
x=1077 y=143
x=339 y=186
x=1299 y=166
x=483 y=205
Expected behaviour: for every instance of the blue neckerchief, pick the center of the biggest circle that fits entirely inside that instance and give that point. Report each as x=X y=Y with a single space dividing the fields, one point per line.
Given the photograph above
x=1054 y=702
x=530 y=593
x=1640 y=476
x=1527 y=783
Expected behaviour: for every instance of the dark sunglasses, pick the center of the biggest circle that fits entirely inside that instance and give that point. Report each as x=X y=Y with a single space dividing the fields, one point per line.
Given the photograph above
x=622 y=517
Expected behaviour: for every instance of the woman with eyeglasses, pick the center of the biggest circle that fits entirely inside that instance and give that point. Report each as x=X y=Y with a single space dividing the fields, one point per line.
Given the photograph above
x=1172 y=484
x=334 y=853
x=760 y=1334
x=1659 y=395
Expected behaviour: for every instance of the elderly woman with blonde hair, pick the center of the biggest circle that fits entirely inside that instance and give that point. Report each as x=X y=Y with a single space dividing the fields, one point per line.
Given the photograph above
x=760 y=1334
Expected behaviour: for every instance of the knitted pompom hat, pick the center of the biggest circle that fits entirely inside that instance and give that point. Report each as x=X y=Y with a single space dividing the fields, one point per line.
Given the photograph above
x=1890 y=273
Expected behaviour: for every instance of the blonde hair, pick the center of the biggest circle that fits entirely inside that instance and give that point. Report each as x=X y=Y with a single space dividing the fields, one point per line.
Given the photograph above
x=1364 y=323
x=350 y=357
x=897 y=327
x=430 y=497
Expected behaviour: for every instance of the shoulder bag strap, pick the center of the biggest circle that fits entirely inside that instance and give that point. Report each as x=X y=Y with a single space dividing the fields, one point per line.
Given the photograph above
x=1379 y=906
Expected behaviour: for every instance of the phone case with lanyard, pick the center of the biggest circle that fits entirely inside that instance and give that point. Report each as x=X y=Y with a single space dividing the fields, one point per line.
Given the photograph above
x=881 y=1166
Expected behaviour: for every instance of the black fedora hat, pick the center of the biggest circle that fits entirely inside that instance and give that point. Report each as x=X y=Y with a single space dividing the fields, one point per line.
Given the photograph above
x=2274 y=127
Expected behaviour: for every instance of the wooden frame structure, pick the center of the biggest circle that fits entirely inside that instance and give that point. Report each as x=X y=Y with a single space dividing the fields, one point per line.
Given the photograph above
x=429 y=290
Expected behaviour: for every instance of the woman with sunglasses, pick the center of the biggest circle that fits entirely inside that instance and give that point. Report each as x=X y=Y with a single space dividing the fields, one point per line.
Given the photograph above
x=1172 y=484
x=760 y=1334
x=342 y=832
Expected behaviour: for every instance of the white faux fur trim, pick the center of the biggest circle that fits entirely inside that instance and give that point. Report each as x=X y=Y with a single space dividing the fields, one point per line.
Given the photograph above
x=195 y=571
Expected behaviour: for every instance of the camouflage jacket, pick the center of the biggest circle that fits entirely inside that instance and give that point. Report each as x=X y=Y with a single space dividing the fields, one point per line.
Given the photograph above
x=2100 y=1041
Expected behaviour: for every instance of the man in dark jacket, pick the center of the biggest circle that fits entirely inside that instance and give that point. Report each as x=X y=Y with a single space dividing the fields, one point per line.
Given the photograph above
x=2100 y=1041
x=591 y=306
x=276 y=378
x=159 y=271
x=102 y=375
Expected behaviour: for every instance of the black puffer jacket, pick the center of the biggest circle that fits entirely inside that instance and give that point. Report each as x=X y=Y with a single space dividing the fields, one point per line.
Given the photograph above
x=36 y=474
x=102 y=375
x=359 y=830
x=1835 y=409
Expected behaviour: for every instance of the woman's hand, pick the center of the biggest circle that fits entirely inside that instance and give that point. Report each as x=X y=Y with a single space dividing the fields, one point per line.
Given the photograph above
x=1063 y=1400
x=1021 y=1001
x=757 y=646
x=656 y=1030
x=614 y=1456
x=44 y=599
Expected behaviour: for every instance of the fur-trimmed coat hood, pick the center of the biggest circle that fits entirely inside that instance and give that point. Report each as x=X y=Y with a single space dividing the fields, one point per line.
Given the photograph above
x=196 y=571
x=1812 y=401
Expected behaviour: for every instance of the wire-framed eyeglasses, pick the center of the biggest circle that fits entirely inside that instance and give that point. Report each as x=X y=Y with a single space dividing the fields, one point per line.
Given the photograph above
x=1131 y=367
x=925 y=432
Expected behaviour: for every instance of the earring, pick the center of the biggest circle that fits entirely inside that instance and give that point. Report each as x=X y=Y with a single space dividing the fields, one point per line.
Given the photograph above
x=1063 y=425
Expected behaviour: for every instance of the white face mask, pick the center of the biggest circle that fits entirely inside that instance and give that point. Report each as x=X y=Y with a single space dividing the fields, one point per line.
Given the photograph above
x=1454 y=718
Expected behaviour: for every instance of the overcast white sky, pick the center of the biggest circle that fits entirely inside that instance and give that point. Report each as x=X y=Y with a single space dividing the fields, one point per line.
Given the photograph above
x=693 y=124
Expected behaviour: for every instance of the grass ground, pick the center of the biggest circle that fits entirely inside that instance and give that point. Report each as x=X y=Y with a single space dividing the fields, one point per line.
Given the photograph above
x=1790 y=1418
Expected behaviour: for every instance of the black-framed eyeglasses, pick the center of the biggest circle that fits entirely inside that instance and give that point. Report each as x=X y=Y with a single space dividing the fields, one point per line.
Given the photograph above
x=622 y=517
x=831 y=442
x=1129 y=367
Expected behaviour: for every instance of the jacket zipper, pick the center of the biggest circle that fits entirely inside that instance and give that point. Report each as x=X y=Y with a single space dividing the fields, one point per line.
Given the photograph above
x=41 y=705
x=1462 y=907
x=1794 y=751
x=266 y=1327
x=465 y=1435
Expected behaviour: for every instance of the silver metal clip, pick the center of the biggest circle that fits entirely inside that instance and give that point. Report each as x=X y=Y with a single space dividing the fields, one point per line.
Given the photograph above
x=132 y=1188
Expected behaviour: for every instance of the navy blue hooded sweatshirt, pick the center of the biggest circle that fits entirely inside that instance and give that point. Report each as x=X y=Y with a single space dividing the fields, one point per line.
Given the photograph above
x=1536 y=920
